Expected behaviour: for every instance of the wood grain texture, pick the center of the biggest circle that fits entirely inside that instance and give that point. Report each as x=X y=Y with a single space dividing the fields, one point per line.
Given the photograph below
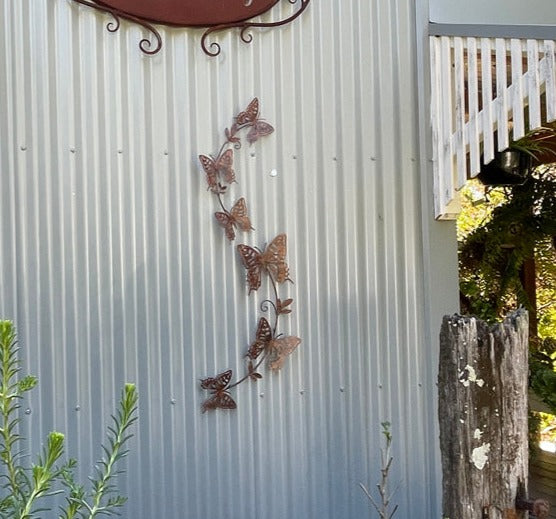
x=482 y=386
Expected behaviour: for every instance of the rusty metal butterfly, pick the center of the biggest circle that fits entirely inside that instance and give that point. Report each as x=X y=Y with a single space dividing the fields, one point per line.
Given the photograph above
x=272 y=261
x=250 y=117
x=220 y=398
x=236 y=217
x=218 y=169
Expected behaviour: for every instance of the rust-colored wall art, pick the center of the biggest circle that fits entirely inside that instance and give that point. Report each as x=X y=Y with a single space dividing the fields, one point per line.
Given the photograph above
x=269 y=262
x=213 y=15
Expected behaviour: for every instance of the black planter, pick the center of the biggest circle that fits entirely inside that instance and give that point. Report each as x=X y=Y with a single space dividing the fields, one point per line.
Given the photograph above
x=509 y=168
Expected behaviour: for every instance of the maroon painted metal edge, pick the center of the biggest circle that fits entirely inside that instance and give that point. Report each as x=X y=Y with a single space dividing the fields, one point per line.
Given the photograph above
x=214 y=15
x=192 y=13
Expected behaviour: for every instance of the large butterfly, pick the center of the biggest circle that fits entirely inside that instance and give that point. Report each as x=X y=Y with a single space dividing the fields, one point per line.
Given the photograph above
x=272 y=260
x=236 y=217
x=280 y=348
x=262 y=339
x=217 y=168
x=220 y=398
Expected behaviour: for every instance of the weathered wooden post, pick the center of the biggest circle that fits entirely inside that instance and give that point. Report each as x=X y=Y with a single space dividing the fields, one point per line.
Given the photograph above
x=482 y=385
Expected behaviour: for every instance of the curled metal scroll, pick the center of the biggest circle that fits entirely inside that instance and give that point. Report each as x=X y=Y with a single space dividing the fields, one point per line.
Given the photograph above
x=245 y=36
x=153 y=44
x=146 y=45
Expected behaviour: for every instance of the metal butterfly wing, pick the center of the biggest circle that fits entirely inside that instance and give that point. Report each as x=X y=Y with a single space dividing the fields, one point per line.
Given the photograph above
x=262 y=339
x=250 y=114
x=259 y=129
x=273 y=259
x=250 y=258
x=280 y=348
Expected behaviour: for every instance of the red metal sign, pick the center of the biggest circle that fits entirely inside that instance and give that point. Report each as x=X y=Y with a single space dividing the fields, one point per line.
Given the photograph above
x=192 y=13
x=215 y=15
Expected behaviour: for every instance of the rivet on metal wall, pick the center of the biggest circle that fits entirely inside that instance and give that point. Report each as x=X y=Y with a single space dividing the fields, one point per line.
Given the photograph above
x=23 y=148
x=273 y=173
x=78 y=407
x=173 y=401
x=27 y=411
x=72 y=150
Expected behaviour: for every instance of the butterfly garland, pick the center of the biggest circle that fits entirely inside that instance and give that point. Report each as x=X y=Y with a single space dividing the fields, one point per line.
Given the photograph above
x=267 y=262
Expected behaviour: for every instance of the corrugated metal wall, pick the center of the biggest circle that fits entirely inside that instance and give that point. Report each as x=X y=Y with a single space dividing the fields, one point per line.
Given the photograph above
x=114 y=270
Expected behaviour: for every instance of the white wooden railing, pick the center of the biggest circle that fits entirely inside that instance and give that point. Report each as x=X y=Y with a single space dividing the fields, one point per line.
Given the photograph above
x=484 y=91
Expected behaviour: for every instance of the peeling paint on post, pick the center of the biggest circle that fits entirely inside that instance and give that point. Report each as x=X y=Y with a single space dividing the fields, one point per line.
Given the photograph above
x=482 y=384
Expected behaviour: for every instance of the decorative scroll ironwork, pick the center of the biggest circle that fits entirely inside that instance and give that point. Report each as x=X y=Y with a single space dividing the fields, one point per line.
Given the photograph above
x=222 y=21
x=270 y=262
x=146 y=45
x=245 y=36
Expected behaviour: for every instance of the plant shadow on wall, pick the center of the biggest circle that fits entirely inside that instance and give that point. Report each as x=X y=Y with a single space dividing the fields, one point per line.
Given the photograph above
x=24 y=488
x=507 y=254
x=268 y=262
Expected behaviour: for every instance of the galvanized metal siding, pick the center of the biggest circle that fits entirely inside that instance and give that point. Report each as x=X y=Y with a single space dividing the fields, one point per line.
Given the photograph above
x=114 y=270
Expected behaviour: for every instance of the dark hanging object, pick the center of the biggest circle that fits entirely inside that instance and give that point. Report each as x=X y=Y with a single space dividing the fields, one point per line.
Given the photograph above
x=213 y=15
x=508 y=168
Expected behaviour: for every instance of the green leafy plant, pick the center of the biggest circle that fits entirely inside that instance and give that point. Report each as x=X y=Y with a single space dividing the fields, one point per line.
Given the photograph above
x=383 y=507
x=21 y=486
x=536 y=143
x=543 y=371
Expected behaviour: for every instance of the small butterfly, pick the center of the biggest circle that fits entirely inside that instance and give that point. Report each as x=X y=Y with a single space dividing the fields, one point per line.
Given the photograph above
x=220 y=400
x=272 y=260
x=217 y=383
x=221 y=167
x=259 y=129
x=262 y=339
x=250 y=114
x=236 y=217
x=280 y=348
